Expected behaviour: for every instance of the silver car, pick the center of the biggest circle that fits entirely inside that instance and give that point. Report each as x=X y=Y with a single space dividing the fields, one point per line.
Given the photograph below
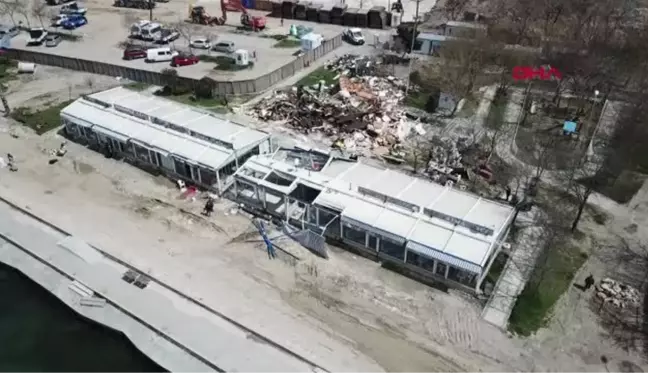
x=52 y=40
x=224 y=46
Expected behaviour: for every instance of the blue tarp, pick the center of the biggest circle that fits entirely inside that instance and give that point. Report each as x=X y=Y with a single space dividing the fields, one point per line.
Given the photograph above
x=569 y=126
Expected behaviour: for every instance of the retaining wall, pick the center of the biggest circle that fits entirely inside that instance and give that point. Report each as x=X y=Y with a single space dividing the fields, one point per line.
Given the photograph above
x=230 y=87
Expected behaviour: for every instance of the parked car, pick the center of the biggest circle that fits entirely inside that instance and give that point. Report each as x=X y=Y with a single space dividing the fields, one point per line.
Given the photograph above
x=183 y=59
x=73 y=8
x=151 y=31
x=353 y=36
x=200 y=43
x=224 y=46
x=133 y=53
x=167 y=35
x=74 y=22
x=160 y=55
x=37 y=36
x=10 y=31
x=52 y=40
x=59 y=19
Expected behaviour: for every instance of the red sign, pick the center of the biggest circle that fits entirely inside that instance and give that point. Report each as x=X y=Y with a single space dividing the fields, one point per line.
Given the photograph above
x=530 y=73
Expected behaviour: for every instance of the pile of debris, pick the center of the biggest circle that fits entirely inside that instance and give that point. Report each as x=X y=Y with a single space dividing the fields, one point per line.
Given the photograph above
x=620 y=295
x=359 y=112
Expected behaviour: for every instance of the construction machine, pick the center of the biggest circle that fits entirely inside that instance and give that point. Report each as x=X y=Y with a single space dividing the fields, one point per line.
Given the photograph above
x=198 y=14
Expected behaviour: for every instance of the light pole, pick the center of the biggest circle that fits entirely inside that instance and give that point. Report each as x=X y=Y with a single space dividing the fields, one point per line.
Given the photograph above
x=409 y=69
x=590 y=146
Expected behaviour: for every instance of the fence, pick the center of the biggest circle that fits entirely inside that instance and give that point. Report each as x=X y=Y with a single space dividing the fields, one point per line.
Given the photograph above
x=234 y=87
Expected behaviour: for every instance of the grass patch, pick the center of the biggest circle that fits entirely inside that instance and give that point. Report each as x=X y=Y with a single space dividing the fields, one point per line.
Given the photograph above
x=216 y=104
x=136 y=86
x=549 y=281
x=277 y=37
x=7 y=69
x=225 y=63
x=287 y=43
x=416 y=99
x=319 y=74
x=497 y=268
x=43 y=120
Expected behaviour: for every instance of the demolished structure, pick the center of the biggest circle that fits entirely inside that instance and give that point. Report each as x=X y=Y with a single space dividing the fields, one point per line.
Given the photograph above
x=359 y=112
x=432 y=231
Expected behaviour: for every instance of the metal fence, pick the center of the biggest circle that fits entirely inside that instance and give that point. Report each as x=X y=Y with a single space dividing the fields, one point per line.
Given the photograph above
x=233 y=87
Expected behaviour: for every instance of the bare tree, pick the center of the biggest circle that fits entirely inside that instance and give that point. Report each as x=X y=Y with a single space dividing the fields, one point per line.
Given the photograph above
x=462 y=61
x=186 y=31
x=10 y=8
x=455 y=8
x=90 y=82
x=39 y=10
x=23 y=8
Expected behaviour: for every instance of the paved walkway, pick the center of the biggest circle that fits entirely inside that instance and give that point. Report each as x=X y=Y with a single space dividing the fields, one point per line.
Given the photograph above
x=519 y=267
x=214 y=345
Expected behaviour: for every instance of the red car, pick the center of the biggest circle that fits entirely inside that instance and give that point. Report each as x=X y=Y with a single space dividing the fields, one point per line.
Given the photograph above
x=134 y=53
x=184 y=60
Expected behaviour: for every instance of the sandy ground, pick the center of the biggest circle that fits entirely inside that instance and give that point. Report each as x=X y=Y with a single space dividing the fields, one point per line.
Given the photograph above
x=346 y=313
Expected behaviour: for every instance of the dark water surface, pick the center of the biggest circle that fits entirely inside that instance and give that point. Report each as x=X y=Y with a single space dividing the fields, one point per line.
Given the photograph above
x=38 y=332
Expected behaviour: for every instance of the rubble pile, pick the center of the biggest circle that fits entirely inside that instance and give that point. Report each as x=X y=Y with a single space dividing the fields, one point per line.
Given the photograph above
x=445 y=153
x=358 y=113
x=620 y=295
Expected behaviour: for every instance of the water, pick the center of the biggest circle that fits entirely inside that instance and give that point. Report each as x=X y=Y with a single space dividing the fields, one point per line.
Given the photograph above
x=40 y=333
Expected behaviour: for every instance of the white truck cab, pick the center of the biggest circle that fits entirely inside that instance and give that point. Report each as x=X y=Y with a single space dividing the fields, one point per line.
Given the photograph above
x=37 y=36
x=136 y=28
x=160 y=55
x=151 y=32
x=354 y=35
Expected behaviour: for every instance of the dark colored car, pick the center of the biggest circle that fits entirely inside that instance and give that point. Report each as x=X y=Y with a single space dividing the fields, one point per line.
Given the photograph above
x=184 y=60
x=134 y=53
x=75 y=21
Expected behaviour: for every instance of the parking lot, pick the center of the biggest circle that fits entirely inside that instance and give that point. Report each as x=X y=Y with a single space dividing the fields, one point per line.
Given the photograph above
x=108 y=27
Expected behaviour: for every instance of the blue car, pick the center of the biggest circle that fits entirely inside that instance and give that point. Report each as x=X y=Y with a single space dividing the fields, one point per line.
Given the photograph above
x=74 y=22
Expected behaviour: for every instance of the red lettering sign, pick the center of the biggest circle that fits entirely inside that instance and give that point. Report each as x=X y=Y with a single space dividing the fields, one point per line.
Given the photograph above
x=530 y=73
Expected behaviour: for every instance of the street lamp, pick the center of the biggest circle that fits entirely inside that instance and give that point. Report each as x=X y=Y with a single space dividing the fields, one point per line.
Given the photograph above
x=590 y=147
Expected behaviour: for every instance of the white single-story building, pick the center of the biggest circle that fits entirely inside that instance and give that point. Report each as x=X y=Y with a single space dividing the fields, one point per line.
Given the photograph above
x=177 y=139
x=432 y=230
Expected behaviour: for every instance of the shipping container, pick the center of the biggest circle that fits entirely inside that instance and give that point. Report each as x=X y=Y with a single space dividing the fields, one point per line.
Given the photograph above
x=350 y=17
x=378 y=17
x=288 y=9
x=300 y=9
x=337 y=13
x=362 y=18
x=312 y=13
x=325 y=14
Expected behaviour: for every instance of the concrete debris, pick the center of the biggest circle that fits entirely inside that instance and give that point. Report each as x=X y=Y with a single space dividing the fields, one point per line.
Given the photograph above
x=617 y=293
x=444 y=154
x=359 y=112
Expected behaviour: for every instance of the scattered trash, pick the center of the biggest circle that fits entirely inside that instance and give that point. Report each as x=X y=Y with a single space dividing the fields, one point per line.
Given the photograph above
x=617 y=293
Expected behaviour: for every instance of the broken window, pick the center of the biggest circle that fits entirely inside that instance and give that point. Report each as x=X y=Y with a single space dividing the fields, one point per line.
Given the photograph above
x=355 y=235
x=283 y=180
x=142 y=153
x=207 y=176
x=392 y=249
x=461 y=276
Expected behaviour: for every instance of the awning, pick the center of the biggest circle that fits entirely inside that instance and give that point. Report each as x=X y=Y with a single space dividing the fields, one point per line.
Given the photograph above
x=443 y=257
x=372 y=230
x=109 y=133
x=77 y=121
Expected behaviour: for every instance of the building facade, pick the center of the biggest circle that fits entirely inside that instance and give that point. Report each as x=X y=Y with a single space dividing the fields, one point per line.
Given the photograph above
x=433 y=231
x=178 y=140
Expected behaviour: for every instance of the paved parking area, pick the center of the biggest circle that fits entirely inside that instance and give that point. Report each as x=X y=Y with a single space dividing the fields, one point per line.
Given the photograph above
x=108 y=26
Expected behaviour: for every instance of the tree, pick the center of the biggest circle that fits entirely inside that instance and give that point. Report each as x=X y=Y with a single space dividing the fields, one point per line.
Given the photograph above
x=187 y=31
x=39 y=10
x=23 y=8
x=455 y=8
x=462 y=61
x=10 y=8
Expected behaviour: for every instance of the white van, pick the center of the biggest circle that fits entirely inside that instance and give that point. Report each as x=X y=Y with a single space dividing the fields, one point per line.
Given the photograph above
x=151 y=32
x=160 y=55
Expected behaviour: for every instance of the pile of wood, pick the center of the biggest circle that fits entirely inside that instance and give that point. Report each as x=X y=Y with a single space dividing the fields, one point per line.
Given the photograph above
x=618 y=294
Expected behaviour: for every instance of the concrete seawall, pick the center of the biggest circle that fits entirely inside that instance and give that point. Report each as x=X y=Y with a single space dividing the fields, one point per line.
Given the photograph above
x=178 y=335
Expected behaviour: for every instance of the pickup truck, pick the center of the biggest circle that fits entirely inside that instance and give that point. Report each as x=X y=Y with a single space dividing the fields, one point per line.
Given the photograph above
x=37 y=36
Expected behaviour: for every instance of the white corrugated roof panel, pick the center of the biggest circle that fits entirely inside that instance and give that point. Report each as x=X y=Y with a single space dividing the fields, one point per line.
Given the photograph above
x=390 y=183
x=362 y=211
x=467 y=248
x=361 y=175
x=334 y=200
x=430 y=235
x=454 y=204
x=395 y=222
x=489 y=214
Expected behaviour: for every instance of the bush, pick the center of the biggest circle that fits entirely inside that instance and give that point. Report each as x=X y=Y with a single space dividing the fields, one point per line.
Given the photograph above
x=40 y=121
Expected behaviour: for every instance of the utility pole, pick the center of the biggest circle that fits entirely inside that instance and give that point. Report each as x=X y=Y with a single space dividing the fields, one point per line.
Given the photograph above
x=409 y=69
x=151 y=3
x=522 y=112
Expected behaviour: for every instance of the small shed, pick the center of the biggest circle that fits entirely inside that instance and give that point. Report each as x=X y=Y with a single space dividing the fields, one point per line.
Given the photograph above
x=276 y=6
x=325 y=14
x=363 y=18
x=312 y=12
x=377 y=17
x=337 y=13
x=311 y=41
x=350 y=17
